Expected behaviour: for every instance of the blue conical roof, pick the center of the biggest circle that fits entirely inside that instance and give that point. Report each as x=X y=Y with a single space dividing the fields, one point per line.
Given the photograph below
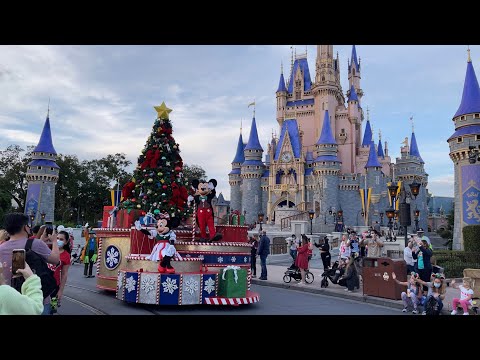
x=372 y=157
x=380 y=149
x=326 y=137
x=354 y=60
x=367 y=136
x=281 y=84
x=353 y=94
x=239 y=155
x=414 y=148
x=253 y=143
x=307 y=82
x=45 y=144
x=471 y=93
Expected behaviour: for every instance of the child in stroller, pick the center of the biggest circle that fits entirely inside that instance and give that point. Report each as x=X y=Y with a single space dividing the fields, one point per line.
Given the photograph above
x=333 y=274
x=293 y=272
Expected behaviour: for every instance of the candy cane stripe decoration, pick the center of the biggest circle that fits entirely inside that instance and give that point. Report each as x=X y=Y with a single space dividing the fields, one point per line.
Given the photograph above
x=194 y=220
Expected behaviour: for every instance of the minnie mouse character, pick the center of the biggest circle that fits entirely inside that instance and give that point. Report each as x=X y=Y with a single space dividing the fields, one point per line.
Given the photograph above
x=204 y=193
x=164 y=249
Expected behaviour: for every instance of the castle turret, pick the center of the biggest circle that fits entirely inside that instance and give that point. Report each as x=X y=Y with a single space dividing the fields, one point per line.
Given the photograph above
x=354 y=74
x=327 y=164
x=251 y=172
x=367 y=136
x=464 y=150
x=42 y=176
x=234 y=176
x=281 y=99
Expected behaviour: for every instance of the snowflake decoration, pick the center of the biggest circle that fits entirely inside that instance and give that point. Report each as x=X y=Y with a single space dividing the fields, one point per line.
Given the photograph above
x=245 y=259
x=170 y=285
x=130 y=284
x=209 y=285
x=148 y=284
x=191 y=286
x=234 y=259
x=112 y=258
x=220 y=259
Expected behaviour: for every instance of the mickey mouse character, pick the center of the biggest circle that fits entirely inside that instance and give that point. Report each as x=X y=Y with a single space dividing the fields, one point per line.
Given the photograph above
x=164 y=249
x=204 y=193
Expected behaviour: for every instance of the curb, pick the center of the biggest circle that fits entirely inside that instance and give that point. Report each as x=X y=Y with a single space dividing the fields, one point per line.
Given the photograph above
x=322 y=291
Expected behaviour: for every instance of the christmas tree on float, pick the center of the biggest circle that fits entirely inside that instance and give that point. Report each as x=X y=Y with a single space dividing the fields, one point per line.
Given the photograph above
x=158 y=184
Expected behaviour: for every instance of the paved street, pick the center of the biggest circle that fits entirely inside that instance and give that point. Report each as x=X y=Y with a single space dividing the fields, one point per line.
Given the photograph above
x=82 y=298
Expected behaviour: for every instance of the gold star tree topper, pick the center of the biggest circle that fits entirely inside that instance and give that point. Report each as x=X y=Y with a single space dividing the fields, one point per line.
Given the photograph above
x=163 y=110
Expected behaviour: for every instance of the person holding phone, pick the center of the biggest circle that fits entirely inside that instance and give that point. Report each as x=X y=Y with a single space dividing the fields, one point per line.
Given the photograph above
x=17 y=225
x=29 y=302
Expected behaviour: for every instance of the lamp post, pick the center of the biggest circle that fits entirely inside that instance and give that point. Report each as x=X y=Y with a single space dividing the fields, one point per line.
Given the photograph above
x=32 y=217
x=339 y=224
x=417 y=214
x=42 y=215
x=360 y=212
x=390 y=212
x=244 y=217
x=260 y=220
x=311 y=214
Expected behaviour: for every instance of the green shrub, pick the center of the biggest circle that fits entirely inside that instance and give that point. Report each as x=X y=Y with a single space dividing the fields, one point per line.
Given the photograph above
x=446 y=234
x=471 y=238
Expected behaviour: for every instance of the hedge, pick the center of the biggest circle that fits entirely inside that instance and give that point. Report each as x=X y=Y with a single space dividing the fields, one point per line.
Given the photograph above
x=471 y=238
x=454 y=262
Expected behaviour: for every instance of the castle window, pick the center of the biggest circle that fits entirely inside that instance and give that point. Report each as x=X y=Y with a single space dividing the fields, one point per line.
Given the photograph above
x=256 y=199
x=459 y=139
x=478 y=138
x=354 y=178
x=462 y=117
x=353 y=71
x=298 y=95
x=39 y=168
x=477 y=116
x=41 y=154
x=51 y=169
x=343 y=131
x=323 y=163
x=344 y=178
x=377 y=180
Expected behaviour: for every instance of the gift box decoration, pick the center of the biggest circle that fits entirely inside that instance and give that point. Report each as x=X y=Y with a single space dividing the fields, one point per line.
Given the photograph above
x=232 y=282
x=126 y=218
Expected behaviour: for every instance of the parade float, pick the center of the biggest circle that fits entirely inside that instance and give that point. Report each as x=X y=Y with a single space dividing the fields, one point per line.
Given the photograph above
x=138 y=235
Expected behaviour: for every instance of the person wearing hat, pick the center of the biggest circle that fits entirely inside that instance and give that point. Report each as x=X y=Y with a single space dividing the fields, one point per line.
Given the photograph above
x=90 y=254
x=421 y=236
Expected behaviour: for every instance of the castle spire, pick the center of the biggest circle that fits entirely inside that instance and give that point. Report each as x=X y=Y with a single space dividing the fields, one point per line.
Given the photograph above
x=471 y=93
x=414 y=148
x=469 y=58
x=239 y=155
x=281 y=84
x=372 y=157
x=380 y=148
x=367 y=136
x=253 y=142
x=326 y=137
x=45 y=143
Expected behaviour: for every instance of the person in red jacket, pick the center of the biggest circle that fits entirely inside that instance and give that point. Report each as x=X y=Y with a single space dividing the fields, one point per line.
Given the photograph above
x=302 y=256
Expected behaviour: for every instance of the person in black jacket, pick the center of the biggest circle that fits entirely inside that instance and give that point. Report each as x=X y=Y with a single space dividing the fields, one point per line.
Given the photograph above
x=423 y=266
x=324 y=253
x=350 y=279
x=263 y=251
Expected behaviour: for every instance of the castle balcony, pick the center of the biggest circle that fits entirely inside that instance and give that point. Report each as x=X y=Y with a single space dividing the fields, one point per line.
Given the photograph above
x=285 y=187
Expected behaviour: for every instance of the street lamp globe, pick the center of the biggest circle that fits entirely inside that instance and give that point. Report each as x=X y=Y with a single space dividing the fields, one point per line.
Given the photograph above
x=340 y=213
x=311 y=214
x=417 y=213
x=390 y=212
x=392 y=190
x=415 y=188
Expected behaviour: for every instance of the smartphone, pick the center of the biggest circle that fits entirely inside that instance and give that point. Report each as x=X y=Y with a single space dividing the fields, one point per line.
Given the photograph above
x=18 y=261
x=49 y=228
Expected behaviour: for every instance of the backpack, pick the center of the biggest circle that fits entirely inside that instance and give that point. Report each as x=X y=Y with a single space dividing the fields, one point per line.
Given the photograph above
x=431 y=306
x=39 y=266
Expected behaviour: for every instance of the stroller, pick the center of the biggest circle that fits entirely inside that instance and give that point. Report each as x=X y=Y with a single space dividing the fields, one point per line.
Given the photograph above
x=75 y=256
x=332 y=274
x=293 y=272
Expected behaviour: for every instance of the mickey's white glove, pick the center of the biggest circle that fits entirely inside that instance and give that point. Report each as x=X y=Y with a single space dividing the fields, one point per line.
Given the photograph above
x=190 y=198
x=138 y=226
x=210 y=186
x=86 y=225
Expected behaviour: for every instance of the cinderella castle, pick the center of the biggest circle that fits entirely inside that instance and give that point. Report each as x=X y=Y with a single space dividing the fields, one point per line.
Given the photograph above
x=322 y=161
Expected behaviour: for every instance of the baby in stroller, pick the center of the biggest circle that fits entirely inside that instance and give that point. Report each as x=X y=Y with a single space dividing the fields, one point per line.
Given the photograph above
x=75 y=256
x=334 y=273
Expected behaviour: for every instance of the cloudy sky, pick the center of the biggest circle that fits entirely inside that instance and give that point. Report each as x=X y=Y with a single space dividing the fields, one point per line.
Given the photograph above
x=102 y=98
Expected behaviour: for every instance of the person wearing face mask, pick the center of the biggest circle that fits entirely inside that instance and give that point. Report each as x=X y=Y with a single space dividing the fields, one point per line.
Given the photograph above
x=61 y=271
x=436 y=290
x=17 y=226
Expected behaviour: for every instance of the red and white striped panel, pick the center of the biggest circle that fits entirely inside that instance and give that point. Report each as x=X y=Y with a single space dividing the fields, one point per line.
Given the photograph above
x=144 y=257
x=215 y=243
x=232 y=301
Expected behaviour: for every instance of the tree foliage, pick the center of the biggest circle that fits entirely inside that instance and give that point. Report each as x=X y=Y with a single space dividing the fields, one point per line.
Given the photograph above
x=83 y=187
x=191 y=172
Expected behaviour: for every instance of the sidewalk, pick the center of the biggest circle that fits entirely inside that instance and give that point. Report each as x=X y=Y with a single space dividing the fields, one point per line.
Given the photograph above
x=275 y=279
